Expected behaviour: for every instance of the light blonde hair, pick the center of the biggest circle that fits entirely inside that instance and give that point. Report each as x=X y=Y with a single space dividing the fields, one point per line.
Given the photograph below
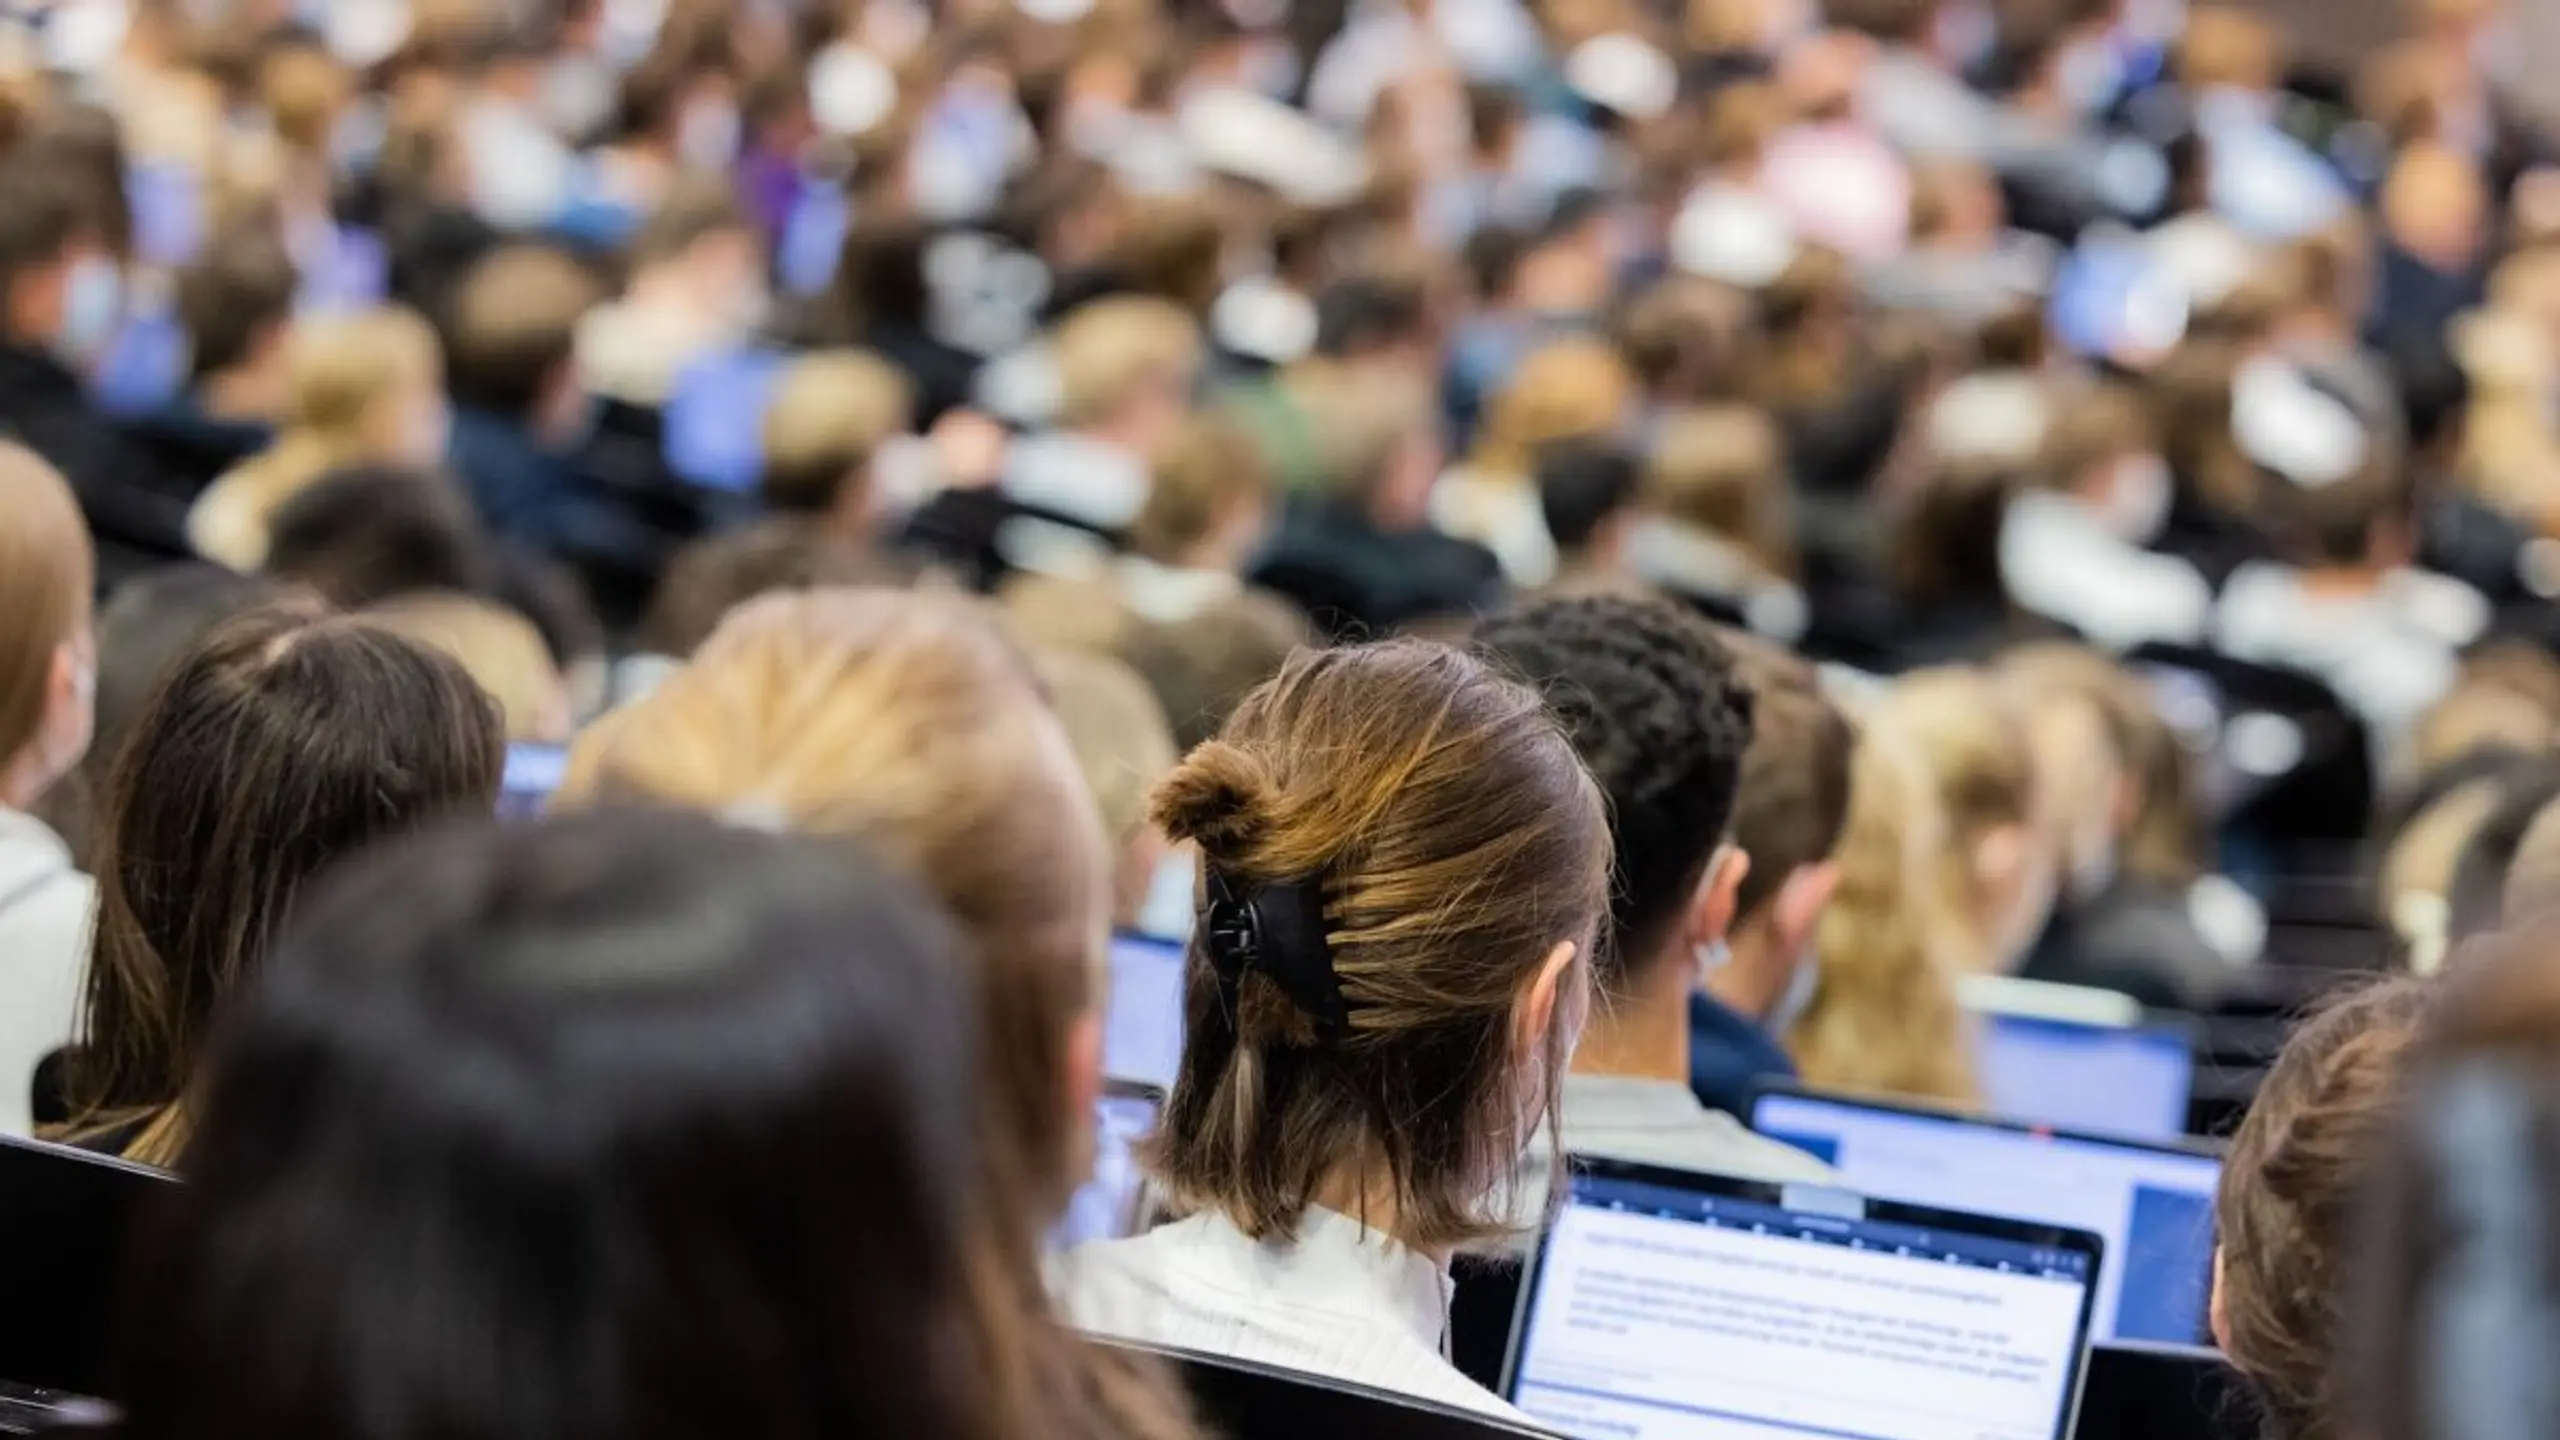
x=48 y=571
x=340 y=373
x=1570 y=389
x=1723 y=471
x=1885 y=1018
x=1979 y=759
x=1108 y=350
x=831 y=412
x=500 y=649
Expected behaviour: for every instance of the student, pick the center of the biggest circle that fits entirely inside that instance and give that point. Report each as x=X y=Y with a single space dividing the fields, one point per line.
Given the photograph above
x=907 y=720
x=499 y=649
x=1210 y=508
x=2073 y=544
x=1201 y=668
x=1125 y=366
x=363 y=390
x=288 y=739
x=1124 y=747
x=710 y=578
x=1569 y=389
x=518 y=401
x=831 y=414
x=1788 y=817
x=1719 y=534
x=1592 y=497
x=697 y=291
x=48 y=680
x=236 y=307
x=1652 y=702
x=739 y=1200
x=371 y=533
x=1404 y=870
x=1995 y=880
x=2285 y=1215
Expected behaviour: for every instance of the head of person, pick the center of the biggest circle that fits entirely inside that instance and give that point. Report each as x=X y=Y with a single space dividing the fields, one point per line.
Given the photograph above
x=366 y=388
x=1721 y=473
x=369 y=533
x=1790 y=809
x=500 y=650
x=2290 y=1189
x=146 y=625
x=512 y=333
x=2103 y=450
x=714 y=576
x=48 y=650
x=1378 y=446
x=1592 y=496
x=1123 y=746
x=829 y=417
x=286 y=740
x=61 y=290
x=1381 y=315
x=754 y=1071
x=2066 y=702
x=2486 y=873
x=1649 y=696
x=699 y=252
x=1174 y=248
x=1569 y=389
x=1202 y=666
x=1997 y=875
x=1883 y=1016
x=1126 y=366
x=2227 y=48
x=1211 y=505
x=1405 y=869
x=236 y=306
x=1690 y=341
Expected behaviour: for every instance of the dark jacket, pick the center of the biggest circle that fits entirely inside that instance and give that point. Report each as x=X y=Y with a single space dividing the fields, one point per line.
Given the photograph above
x=2136 y=938
x=1356 y=579
x=137 y=514
x=617 y=530
x=1730 y=1056
x=192 y=449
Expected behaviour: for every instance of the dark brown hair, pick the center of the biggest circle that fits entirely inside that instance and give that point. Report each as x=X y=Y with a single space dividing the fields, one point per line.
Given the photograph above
x=1794 y=800
x=1454 y=840
x=514 y=324
x=286 y=740
x=240 y=292
x=2289 y=1188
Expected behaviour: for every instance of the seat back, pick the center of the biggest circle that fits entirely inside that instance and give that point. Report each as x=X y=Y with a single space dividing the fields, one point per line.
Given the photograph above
x=1243 y=1401
x=69 y=1215
x=2163 y=1392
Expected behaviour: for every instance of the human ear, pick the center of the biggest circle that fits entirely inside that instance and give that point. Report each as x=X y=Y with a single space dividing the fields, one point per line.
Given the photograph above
x=1719 y=895
x=1800 y=902
x=1557 y=982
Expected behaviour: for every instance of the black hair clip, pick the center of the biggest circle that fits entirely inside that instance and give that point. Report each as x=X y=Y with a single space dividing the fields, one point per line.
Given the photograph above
x=1277 y=929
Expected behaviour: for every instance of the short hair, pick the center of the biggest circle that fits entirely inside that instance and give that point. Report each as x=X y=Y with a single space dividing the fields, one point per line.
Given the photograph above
x=1572 y=388
x=2291 y=1183
x=2224 y=45
x=369 y=533
x=1108 y=350
x=1202 y=667
x=830 y=414
x=147 y=624
x=497 y=647
x=514 y=325
x=1690 y=340
x=1581 y=486
x=2476 y=904
x=1360 y=424
x=1724 y=471
x=697 y=208
x=1118 y=730
x=1793 y=797
x=1212 y=467
x=1437 y=818
x=1371 y=310
x=288 y=739
x=1172 y=247
x=44 y=210
x=710 y=578
x=2091 y=429
x=1896 y=22
x=240 y=290
x=1649 y=697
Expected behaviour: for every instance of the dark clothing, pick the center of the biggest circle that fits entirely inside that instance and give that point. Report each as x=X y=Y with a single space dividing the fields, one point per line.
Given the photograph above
x=137 y=515
x=2414 y=308
x=192 y=449
x=1730 y=1056
x=1357 y=579
x=945 y=376
x=2135 y=938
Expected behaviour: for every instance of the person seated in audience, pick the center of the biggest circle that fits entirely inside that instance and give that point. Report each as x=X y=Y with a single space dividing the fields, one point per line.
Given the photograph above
x=2286 y=1215
x=1718 y=532
x=1652 y=701
x=1405 y=868
x=519 y=403
x=1788 y=818
x=2532 y=893
x=236 y=307
x=450 y=1176
x=499 y=649
x=367 y=534
x=1995 y=880
x=907 y=720
x=710 y=578
x=1361 y=555
x=1125 y=368
x=1572 y=388
x=831 y=414
x=1123 y=746
x=696 y=292
x=2074 y=543
x=1883 y=1016
x=364 y=389
x=1210 y=509
x=1592 y=497
x=1202 y=667
x=285 y=741
x=48 y=685
x=2476 y=903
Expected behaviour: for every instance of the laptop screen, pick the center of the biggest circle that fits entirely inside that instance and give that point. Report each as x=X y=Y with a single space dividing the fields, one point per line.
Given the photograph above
x=2132 y=1082
x=1142 y=1029
x=1106 y=1207
x=2152 y=1204
x=1673 y=1306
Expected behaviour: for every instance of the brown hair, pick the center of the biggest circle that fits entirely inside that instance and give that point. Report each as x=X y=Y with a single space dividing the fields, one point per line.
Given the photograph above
x=2106 y=423
x=1690 y=341
x=710 y=578
x=1109 y=350
x=1212 y=467
x=1724 y=471
x=1568 y=389
x=1171 y=248
x=698 y=207
x=1202 y=667
x=908 y=720
x=2226 y=45
x=1794 y=797
x=285 y=740
x=238 y=292
x=831 y=412
x=514 y=324
x=1452 y=839
x=47 y=572
x=500 y=649
x=2289 y=1189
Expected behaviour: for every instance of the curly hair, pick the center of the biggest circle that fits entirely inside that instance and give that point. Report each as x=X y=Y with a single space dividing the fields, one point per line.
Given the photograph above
x=1652 y=702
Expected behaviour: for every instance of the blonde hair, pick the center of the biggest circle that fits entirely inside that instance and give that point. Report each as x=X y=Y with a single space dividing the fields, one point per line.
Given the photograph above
x=1211 y=468
x=1569 y=389
x=2225 y=45
x=1980 y=762
x=339 y=373
x=48 y=571
x=2159 y=839
x=1723 y=471
x=831 y=412
x=1107 y=350
x=1117 y=730
x=1885 y=1018
x=500 y=649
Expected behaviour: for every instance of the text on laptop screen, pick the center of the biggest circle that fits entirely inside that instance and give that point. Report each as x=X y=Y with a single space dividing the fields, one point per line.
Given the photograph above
x=2085 y=1077
x=1142 y=1029
x=1666 y=1313
x=1106 y=1207
x=2152 y=1206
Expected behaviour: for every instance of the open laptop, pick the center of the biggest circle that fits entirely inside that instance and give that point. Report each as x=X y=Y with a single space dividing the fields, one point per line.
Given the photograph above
x=1667 y=1305
x=1142 y=1025
x=70 y=1216
x=2081 y=1060
x=2152 y=1202
x=1106 y=1206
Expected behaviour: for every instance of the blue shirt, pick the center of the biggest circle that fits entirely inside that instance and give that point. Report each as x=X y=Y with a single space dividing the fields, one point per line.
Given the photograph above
x=1729 y=1054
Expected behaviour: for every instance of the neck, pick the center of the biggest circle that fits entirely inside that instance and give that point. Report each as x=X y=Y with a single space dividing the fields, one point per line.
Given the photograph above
x=2340 y=581
x=1644 y=1034
x=1370 y=1198
x=242 y=394
x=1750 y=984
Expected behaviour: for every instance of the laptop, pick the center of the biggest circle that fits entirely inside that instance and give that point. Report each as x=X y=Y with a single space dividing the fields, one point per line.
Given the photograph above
x=2164 y=1392
x=1668 y=1305
x=2152 y=1202
x=2081 y=1060
x=72 y=1215
x=1142 y=1025
x=1106 y=1207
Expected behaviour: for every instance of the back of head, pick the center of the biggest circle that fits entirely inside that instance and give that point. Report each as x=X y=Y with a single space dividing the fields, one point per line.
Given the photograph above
x=2477 y=901
x=340 y=370
x=286 y=740
x=1649 y=697
x=829 y=416
x=1981 y=764
x=1111 y=351
x=2289 y=1189
x=752 y=1074
x=1117 y=729
x=500 y=650
x=1200 y=668
x=1568 y=389
x=1582 y=486
x=2226 y=46
x=147 y=624
x=710 y=578
x=236 y=295
x=513 y=327
x=47 y=573
x=1418 y=838
x=1793 y=801
x=371 y=533
x=1722 y=471
x=1211 y=479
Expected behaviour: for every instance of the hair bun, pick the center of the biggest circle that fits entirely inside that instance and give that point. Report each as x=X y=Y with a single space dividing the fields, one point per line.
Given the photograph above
x=1220 y=797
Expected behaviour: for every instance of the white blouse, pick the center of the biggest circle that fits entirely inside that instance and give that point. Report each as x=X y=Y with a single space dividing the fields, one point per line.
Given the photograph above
x=1343 y=1302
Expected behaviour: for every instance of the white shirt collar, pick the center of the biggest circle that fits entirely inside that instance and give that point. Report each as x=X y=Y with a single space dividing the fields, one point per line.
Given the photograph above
x=1170 y=595
x=1341 y=1265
